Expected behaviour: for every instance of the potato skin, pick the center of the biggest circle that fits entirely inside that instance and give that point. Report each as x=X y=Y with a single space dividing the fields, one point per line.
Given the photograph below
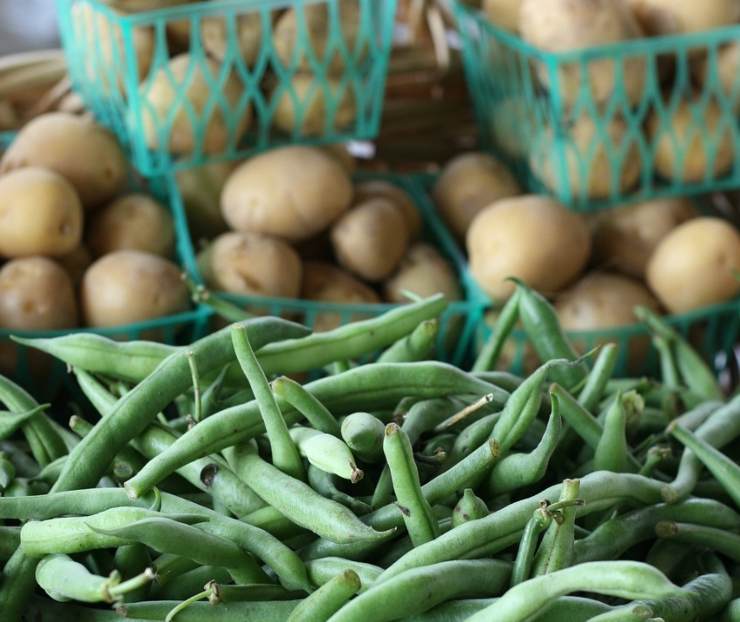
x=253 y=264
x=695 y=265
x=469 y=183
x=379 y=189
x=371 y=239
x=424 y=272
x=290 y=192
x=625 y=237
x=728 y=66
x=81 y=151
x=40 y=214
x=664 y=17
x=531 y=237
x=503 y=13
x=127 y=286
x=213 y=31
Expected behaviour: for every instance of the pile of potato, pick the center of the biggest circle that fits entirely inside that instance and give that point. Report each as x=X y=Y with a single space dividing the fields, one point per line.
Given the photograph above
x=290 y=223
x=661 y=253
x=198 y=122
x=77 y=248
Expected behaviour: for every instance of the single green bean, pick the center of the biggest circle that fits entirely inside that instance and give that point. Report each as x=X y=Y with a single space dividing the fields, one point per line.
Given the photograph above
x=599 y=376
x=719 y=540
x=525 y=555
x=131 y=560
x=191 y=582
x=612 y=453
x=306 y=404
x=556 y=550
x=363 y=433
x=320 y=571
x=323 y=483
x=10 y=540
x=505 y=322
x=468 y=508
x=417 y=346
x=326 y=452
x=328 y=599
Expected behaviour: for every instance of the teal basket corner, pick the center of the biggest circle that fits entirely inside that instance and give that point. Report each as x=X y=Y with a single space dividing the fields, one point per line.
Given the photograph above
x=597 y=127
x=260 y=92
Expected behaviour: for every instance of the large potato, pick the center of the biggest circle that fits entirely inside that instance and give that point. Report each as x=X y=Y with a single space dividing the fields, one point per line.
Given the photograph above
x=663 y=17
x=305 y=109
x=695 y=145
x=625 y=237
x=533 y=238
x=378 y=189
x=252 y=264
x=125 y=287
x=291 y=192
x=566 y=25
x=371 y=239
x=82 y=151
x=161 y=96
x=40 y=214
x=132 y=222
x=696 y=265
x=469 y=183
x=503 y=13
x=588 y=157
x=200 y=189
x=215 y=36
x=424 y=272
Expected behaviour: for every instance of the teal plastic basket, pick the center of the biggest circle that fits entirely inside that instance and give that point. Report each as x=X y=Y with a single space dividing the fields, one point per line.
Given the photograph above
x=595 y=127
x=262 y=78
x=458 y=323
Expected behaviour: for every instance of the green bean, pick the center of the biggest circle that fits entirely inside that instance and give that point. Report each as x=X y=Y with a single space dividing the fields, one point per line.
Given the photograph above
x=7 y=472
x=306 y=404
x=10 y=421
x=274 y=522
x=462 y=416
x=10 y=539
x=668 y=367
x=363 y=433
x=598 y=377
x=328 y=599
x=131 y=560
x=263 y=611
x=192 y=582
x=503 y=379
x=612 y=453
x=420 y=589
x=577 y=417
x=472 y=437
x=326 y=452
x=693 y=418
x=654 y=458
x=320 y=571
x=556 y=549
x=712 y=538
x=323 y=483
x=505 y=322
x=525 y=556
x=468 y=508
x=252 y=592
x=723 y=468
x=417 y=346
x=733 y=611
x=25 y=466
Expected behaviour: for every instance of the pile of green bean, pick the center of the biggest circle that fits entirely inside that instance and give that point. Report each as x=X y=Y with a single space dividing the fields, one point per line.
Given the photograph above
x=267 y=474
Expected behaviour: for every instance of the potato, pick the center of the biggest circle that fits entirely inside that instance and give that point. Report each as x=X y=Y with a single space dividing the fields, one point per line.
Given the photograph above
x=728 y=69
x=80 y=150
x=371 y=239
x=200 y=189
x=469 y=183
x=503 y=13
x=252 y=264
x=683 y=149
x=664 y=17
x=76 y=263
x=531 y=237
x=341 y=153
x=40 y=214
x=424 y=272
x=9 y=118
x=323 y=282
x=160 y=95
x=306 y=108
x=587 y=154
x=127 y=286
x=288 y=32
x=214 y=35
x=290 y=192
x=132 y=222
x=565 y=25
x=378 y=189
x=696 y=265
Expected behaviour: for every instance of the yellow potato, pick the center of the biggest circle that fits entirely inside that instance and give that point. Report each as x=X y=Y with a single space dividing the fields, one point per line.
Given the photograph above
x=664 y=17
x=424 y=272
x=469 y=183
x=40 y=214
x=503 y=13
x=533 y=238
x=200 y=189
x=683 y=149
x=305 y=109
x=82 y=151
x=160 y=96
x=126 y=287
x=132 y=222
x=290 y=192
x=624 y=238
x=378 y=189
x=728 y=70
x=214 y=35
x=696 y=265
x=370 y=239
x=76 y=263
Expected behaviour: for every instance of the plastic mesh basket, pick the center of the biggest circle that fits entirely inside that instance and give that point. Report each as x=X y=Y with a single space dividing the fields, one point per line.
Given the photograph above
x=458 y=323
x=247 y=75
x=599 y=126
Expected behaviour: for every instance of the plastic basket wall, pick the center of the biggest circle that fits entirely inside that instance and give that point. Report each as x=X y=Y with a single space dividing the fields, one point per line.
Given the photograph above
x=605 y=125
x=247 y=74
x=457 y=325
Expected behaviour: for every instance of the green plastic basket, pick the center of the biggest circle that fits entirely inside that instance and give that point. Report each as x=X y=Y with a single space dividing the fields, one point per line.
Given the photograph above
x=304 y=91
x=458 y=323
x=595 y=126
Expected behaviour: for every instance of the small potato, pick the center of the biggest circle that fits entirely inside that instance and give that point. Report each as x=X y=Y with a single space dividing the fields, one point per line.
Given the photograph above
x=200 y=189
x=533 y=238
x=76 y=263
x=728 y=69
x=691 y=149
x=378 y=189
x=215 y=36
x=161 y=95
x=424 y=272
x=125 y=287
x=696 y=265
x=80 y=150
x=588 y=157
x=503 y=13
x=624 y=238
x=371 y=239
x=305 y=109
x=290 y=192
x=40 y=214
x=253 y=264
x=469 y=183
x=133 y=222
x=665 y=17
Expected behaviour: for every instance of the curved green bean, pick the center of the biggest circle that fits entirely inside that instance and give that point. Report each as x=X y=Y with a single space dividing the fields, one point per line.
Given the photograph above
x=328 y=599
